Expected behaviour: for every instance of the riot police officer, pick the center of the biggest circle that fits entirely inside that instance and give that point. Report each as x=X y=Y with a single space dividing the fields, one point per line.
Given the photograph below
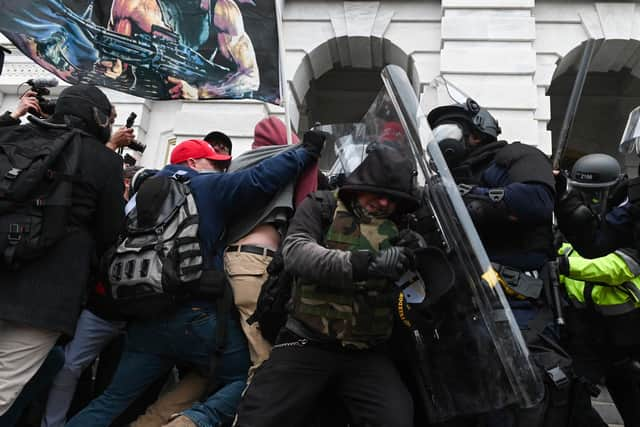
x=509 y=192
x=604 y=292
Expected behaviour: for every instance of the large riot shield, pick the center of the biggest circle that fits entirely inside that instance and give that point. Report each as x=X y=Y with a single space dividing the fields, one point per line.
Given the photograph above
x=474 y=357
x=457 y=337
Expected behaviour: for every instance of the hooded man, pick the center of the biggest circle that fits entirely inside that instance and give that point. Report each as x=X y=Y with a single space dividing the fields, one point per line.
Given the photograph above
x=42 y=299
x=340 y=253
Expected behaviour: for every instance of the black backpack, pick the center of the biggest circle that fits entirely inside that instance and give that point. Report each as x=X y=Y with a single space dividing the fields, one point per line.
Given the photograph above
x=158 y=260
x=37 y=169
x=272 y=306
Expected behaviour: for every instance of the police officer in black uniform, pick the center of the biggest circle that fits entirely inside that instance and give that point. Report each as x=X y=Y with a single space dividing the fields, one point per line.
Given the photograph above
x=509 y=191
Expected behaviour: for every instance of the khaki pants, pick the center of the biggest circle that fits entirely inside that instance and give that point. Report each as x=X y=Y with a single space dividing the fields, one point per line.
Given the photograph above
x=247 y=273
x=186 y=393
x=22 y=352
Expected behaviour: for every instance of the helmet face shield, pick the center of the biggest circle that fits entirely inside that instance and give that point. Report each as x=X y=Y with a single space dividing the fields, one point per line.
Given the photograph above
x=596 y=197
x=448 y=131
x=593 y=176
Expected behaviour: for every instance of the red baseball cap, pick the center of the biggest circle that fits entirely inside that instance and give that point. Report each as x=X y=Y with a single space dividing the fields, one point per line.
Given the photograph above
x=195 y=149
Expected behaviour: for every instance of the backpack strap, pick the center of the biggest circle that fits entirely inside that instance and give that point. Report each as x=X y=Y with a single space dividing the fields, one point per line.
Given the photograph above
x=328 y=203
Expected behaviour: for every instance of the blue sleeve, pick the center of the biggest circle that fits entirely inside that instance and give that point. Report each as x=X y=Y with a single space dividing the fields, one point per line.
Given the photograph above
x=528 y=201
x=244 y=189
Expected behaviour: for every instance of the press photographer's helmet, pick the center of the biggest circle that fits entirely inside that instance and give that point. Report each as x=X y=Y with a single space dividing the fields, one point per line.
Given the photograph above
x=470 y=116
x=87 y=108
x=594 y=175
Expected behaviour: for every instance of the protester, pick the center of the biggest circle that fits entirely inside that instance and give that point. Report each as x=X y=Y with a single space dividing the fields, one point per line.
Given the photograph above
x=45 y=296
x=154 y=346
x=255 y=237
x=342 y=304
x=98 y=325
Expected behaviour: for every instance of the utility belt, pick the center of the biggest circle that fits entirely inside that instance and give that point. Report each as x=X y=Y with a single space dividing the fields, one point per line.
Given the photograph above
x=519 y=284
x=296 y=333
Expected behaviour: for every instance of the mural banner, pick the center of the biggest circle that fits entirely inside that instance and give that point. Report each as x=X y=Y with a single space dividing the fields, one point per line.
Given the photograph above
x=156 y=49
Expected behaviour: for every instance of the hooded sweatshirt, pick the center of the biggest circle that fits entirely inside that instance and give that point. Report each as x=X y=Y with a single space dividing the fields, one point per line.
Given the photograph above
x=272 y=131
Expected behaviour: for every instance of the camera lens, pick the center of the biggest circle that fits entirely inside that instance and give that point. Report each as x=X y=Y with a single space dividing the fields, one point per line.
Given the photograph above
x=137 y=146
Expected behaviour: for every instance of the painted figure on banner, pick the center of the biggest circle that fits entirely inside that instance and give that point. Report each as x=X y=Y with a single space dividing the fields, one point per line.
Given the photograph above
x=157 y=49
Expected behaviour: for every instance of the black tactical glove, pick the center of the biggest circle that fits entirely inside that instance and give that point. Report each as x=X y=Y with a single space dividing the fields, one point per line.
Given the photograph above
x=409 y=239
x=574 y=215
x=313 y=141
x=563 y=265
x=390 y=263
x=561 y=184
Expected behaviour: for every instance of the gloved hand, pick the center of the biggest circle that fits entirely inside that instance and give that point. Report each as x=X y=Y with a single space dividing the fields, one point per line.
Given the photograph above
x=313 y=141
x=409 y=239
x=390 y=263
x=563 y=265
x=560 y=178
x=574 y=214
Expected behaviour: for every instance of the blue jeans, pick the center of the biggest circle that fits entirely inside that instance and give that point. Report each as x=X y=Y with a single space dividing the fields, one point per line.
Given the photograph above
x=92 y=334
x=154 y=346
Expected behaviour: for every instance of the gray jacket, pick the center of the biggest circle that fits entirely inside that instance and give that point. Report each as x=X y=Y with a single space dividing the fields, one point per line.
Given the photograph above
x=277 y=211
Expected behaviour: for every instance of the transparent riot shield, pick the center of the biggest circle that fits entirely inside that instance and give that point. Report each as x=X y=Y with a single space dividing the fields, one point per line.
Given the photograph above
x=474 y=358
x=464 y=352
x=630 y=141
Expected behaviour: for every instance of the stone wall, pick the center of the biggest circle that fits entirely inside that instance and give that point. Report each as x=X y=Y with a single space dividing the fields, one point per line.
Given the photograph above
x=501 y=52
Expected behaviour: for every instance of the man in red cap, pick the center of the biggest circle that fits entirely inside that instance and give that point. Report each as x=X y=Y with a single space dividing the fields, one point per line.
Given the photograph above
x=188 y=334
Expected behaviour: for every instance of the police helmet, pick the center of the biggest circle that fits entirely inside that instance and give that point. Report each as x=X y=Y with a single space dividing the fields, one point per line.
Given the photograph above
x=469 y=114
x=595 y=171
x=593 y=176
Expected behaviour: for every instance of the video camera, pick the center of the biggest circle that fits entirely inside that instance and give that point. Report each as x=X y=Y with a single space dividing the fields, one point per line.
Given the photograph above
x=40 y=87
x=135 y=144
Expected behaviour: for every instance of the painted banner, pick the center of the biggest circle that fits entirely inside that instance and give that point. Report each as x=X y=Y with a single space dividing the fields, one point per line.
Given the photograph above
x=156 y=49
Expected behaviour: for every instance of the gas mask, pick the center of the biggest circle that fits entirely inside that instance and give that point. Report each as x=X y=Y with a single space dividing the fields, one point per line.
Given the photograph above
x=452 y=142
x=595 y=197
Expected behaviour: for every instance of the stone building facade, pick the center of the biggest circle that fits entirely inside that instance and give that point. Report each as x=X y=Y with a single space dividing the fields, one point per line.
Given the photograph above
x=506 y=54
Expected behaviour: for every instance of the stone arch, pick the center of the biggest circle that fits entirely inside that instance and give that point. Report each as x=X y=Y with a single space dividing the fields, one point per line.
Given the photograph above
x=337 y=80
x=611 y=91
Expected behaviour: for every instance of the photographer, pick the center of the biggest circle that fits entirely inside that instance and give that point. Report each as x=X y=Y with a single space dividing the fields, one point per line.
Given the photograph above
x=42 y=297
x=27 y=101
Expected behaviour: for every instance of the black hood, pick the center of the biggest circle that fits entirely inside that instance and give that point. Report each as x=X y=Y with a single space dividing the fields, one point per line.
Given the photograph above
x=386 y=170
x=84 y=107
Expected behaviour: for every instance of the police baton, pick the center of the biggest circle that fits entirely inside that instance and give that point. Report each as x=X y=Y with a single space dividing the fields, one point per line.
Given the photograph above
x=555 y=293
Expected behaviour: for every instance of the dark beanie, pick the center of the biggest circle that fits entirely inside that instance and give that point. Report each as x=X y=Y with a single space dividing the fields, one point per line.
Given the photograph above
x=386 y=171
x=271 y=131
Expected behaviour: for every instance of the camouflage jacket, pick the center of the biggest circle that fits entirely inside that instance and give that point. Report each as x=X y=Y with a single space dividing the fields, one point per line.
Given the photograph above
x=325 y=256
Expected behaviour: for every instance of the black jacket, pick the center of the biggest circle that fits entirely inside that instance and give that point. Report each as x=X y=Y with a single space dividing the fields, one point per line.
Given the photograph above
x=48 y=292
x=7 y=120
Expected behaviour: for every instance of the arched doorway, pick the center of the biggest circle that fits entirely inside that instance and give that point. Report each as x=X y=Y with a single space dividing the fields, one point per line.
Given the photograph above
x=337 y=81
x=611 y=91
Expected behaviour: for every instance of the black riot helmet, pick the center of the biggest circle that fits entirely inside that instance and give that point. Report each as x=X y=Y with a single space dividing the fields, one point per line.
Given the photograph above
x=470 y=116
x=594 y=175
